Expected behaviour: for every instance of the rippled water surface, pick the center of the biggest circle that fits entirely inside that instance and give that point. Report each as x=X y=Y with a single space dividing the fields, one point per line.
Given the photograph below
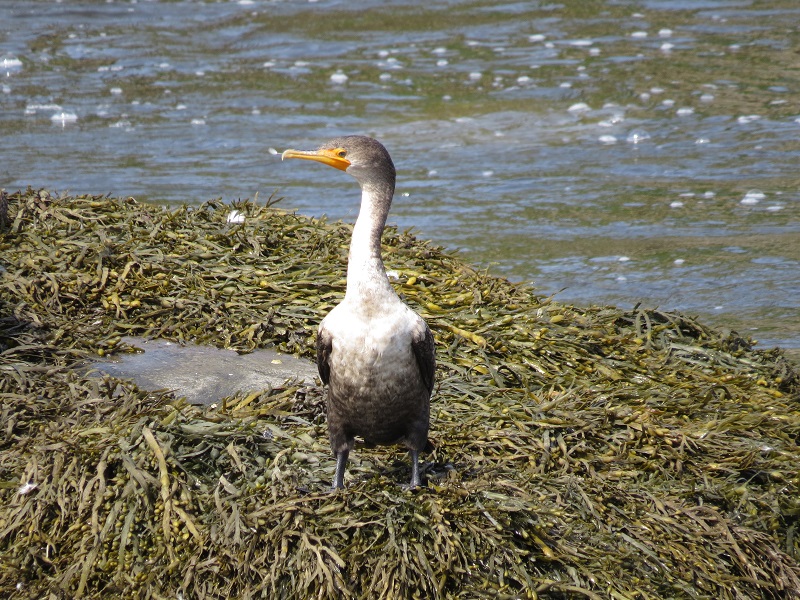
x=611 y=151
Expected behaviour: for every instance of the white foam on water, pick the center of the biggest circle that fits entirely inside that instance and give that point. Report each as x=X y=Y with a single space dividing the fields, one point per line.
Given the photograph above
x=64 y=117
x=607 y=139
x=339 y=78
x=753 y=197
x=579 y=107
x=743 y=119
x=684 y=111
x=10 y=63
x=33 y=108
x=637 y=136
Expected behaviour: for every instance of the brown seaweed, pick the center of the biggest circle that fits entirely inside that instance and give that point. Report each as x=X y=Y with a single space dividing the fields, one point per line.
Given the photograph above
x=580 y=452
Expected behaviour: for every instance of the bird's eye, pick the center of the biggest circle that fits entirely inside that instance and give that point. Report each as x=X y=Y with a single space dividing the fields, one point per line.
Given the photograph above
x=341 y=153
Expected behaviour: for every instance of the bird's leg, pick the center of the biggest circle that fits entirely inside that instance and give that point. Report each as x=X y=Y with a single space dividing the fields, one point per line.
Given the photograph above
x=341 y=463
x=415 y=480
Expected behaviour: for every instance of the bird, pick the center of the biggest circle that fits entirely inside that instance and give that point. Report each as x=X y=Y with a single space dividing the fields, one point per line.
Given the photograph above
x=374 y=353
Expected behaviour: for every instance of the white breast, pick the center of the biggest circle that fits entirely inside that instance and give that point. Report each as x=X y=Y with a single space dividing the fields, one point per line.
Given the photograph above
x=366 y=345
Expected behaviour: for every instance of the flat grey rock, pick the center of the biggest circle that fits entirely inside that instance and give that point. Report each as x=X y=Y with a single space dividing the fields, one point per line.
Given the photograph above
x=204 y=374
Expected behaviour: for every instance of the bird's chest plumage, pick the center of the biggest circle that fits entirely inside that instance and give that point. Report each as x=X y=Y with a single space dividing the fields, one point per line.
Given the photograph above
x=375 y=387
x=369 y=350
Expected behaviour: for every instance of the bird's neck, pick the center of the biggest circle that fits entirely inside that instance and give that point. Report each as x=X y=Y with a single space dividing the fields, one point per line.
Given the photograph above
x=366 y=276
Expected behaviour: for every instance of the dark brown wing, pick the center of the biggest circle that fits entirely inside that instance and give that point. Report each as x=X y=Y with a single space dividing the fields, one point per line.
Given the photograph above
x=324 y=344
x=424 y=352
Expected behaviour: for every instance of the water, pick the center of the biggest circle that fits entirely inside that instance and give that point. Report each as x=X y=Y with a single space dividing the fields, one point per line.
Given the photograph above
x=610 y=151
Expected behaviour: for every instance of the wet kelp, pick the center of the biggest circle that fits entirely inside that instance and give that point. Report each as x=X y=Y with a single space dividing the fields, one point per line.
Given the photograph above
x=580 y=452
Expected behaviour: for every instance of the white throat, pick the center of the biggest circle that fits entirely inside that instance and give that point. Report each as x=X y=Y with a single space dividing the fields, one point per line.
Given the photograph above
x=366 y=276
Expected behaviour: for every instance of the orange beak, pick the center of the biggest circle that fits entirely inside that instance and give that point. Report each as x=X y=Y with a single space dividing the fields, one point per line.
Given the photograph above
x=335 y=157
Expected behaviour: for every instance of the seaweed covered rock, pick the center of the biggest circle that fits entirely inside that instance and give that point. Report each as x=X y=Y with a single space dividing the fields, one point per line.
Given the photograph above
x=580 y=452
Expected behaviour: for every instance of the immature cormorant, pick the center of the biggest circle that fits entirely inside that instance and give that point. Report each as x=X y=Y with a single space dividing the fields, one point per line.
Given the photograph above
x=374 y=353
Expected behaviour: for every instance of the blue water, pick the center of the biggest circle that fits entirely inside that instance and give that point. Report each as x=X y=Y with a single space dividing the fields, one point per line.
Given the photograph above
x=614 y=153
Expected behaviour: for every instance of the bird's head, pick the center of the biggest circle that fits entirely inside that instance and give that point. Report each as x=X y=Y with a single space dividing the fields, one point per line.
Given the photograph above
x=362 y=157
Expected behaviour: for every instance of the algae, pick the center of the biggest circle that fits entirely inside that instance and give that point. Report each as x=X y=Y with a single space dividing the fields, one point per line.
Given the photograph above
x=579 y=452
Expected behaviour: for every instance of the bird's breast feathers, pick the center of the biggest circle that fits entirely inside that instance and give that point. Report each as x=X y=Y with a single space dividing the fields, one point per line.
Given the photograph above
x=366 y=342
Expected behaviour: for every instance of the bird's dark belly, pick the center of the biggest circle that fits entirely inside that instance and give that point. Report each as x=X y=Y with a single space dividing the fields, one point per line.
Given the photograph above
x=375 y=387
x=381 y=412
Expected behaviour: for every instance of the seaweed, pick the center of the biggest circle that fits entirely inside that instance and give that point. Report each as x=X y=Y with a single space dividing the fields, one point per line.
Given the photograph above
x=580 y=452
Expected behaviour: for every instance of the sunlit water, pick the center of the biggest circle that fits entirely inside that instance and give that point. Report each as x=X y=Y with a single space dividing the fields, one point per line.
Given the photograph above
x=613 y=152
